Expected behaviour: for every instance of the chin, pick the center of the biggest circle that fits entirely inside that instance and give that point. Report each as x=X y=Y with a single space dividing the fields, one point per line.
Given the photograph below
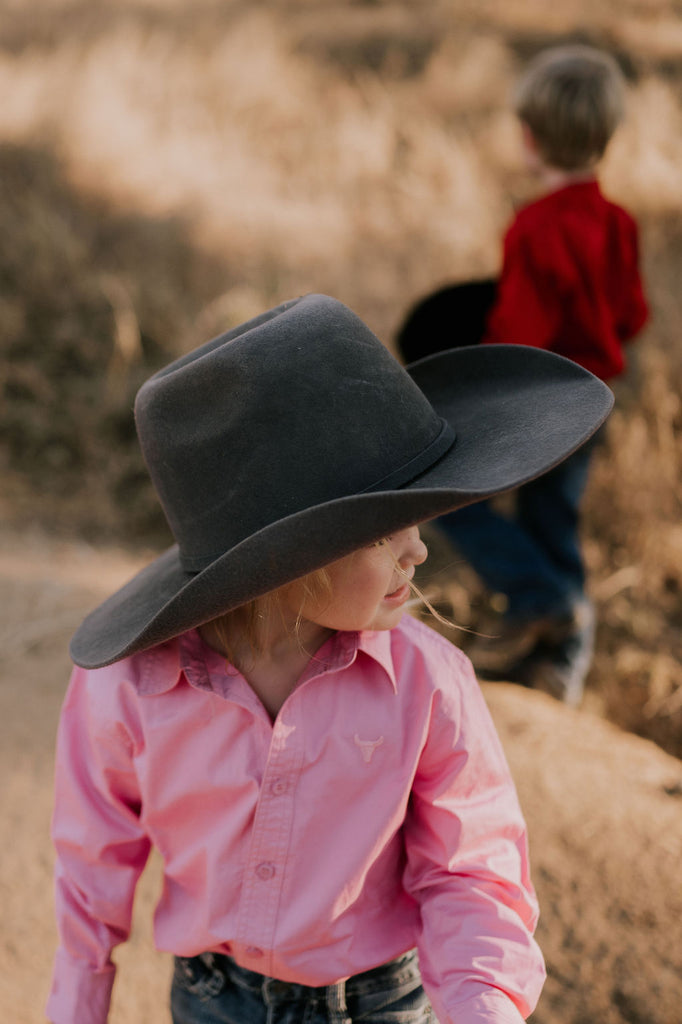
x=389 y=620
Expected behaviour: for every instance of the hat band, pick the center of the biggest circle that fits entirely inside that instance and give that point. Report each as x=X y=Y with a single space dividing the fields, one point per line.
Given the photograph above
x=409 y=471
x=426 y=458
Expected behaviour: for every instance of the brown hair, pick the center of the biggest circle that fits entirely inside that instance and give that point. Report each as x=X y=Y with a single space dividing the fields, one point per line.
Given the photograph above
x=572 y=99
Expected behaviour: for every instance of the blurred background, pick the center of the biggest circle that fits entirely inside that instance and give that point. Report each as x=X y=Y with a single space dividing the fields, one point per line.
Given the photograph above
x=169 y=169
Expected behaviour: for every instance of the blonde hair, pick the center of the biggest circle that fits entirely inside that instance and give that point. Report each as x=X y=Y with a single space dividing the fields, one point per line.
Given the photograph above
x=248 y=619
x=572 y=100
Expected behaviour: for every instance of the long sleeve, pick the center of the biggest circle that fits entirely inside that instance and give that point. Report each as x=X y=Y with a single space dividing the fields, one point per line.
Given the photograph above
x=467 y=866
x=101 y=850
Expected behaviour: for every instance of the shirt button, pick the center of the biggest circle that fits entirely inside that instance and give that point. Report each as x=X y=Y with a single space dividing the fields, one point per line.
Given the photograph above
x=265 y=871
x=278 y=787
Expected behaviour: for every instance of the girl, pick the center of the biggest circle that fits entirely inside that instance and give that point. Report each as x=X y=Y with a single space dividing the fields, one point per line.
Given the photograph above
x=317 y=770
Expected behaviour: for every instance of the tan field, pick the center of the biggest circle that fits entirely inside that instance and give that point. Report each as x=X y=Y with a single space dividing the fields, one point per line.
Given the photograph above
x=168 y=170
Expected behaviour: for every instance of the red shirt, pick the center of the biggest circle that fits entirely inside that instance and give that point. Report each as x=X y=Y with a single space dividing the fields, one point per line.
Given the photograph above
x=570 y=279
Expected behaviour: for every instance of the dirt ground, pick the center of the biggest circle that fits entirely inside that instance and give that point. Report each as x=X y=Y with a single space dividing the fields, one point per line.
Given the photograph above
x=604 y=810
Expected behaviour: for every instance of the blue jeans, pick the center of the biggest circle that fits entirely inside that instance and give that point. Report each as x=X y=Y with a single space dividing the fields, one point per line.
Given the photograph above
x=533 y=557
x=213 y=989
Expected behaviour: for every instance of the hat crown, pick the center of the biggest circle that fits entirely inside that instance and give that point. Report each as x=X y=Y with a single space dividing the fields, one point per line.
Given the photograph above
x=296 y=408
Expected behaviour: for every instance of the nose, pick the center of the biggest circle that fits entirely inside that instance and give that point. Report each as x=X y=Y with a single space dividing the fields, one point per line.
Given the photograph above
x=415 y=550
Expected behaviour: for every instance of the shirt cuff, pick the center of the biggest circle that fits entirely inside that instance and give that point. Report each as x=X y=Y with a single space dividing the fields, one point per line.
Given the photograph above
x=78 y=992
x=490 y=1007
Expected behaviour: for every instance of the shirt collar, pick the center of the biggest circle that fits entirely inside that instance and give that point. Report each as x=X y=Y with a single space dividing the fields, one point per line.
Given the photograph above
x=156 y=670
x=203 y=667
x=342 y=649
x=159 y=669
x=377 y=645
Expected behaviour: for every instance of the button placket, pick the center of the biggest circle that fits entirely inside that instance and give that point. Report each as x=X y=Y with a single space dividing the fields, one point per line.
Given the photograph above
x=271 y=833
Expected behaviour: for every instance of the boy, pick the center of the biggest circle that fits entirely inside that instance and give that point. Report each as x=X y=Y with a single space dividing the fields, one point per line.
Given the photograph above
x=570 y=283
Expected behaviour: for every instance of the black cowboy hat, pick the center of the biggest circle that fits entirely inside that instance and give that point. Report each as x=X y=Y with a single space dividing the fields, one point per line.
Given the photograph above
x=297 y=438
x=450 y=317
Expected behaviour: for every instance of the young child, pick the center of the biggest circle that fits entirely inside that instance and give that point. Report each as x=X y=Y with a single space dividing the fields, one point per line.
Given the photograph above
x=317 y=769
x=569 y=283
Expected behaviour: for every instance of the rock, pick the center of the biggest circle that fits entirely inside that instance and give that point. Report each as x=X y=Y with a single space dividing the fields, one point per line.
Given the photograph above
x=604 y=812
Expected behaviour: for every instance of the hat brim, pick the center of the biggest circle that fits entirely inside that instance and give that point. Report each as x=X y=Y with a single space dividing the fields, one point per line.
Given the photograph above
x=516 y=412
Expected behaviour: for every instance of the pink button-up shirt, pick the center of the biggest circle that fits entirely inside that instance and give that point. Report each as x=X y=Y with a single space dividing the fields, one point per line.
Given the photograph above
x=375 y=814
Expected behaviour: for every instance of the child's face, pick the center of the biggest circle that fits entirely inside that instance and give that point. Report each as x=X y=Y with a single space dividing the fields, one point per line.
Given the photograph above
x=368 y=588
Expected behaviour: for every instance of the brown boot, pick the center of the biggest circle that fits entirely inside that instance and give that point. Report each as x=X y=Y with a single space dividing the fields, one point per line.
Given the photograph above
x=561 y=669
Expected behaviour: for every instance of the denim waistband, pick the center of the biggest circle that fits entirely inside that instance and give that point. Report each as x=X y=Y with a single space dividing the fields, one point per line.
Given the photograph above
x=400 y=975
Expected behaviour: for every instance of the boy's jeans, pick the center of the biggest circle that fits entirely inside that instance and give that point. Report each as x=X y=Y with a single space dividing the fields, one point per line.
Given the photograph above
x=213 y=989
x=533 y=558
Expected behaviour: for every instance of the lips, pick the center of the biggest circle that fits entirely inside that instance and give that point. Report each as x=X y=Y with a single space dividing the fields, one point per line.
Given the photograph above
x=399 y=595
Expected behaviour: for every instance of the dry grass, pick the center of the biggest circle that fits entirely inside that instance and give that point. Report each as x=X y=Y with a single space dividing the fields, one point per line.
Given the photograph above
x=360 y=149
